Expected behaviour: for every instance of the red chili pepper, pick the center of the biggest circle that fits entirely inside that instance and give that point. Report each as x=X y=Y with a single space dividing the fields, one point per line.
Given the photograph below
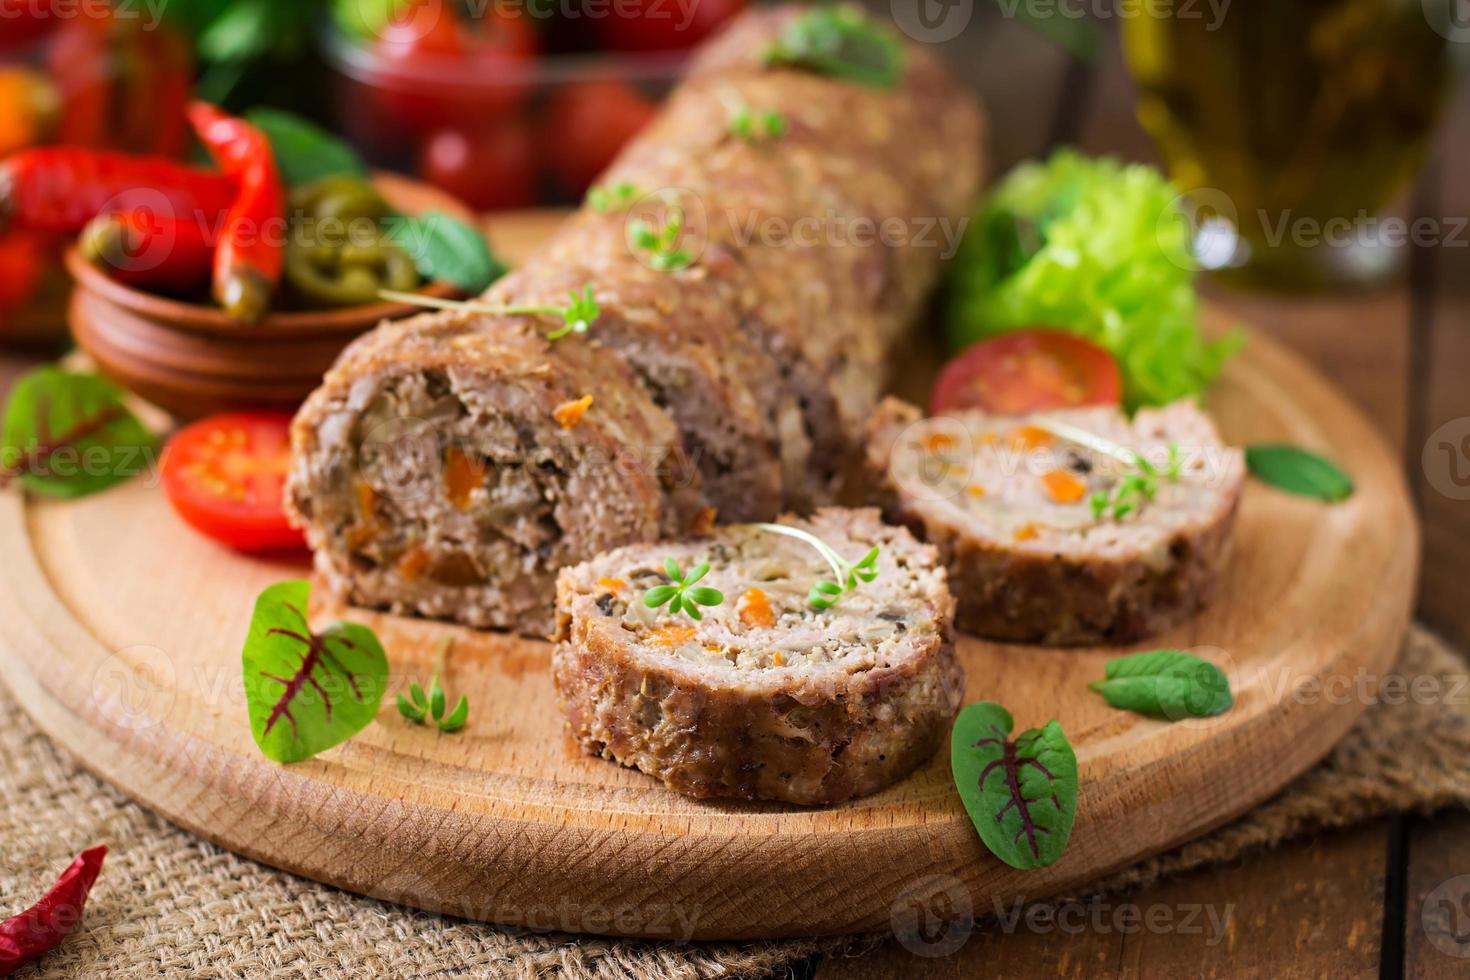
x=60 y=188
x=252 y=245
x=149 y=250
x=41 y=928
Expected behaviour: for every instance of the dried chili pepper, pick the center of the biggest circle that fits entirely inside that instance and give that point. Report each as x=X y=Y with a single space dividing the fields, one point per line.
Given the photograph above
x=149 y=250
x=41 y=928
x=60 y=189
x=250 y=256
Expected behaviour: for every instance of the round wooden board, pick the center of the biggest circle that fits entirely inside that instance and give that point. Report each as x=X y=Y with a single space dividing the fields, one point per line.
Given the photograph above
x=121 y=633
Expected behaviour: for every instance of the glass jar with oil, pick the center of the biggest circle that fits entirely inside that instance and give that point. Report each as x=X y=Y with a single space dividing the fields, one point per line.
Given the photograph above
x=1292 y=124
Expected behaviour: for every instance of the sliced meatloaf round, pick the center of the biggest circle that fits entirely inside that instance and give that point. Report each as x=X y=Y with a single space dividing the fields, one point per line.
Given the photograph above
x=1048 y=533
x=765 y=697
x=446 y=471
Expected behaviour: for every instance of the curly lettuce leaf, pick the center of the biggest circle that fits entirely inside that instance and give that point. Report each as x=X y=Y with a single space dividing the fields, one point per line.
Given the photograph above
x=1097 y=248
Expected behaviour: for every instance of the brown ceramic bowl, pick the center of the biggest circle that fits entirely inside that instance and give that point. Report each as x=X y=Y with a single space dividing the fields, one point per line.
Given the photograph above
x=192 y=360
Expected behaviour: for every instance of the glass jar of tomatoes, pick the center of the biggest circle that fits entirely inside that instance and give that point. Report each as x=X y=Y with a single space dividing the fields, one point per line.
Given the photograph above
x=83 y=74
x=523 y=102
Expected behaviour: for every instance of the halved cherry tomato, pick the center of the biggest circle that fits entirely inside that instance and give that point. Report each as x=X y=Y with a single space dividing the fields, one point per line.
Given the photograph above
x=587 y=124
x=1028 y=371
x=658 y=25
x=490 y=170
x=226 y=476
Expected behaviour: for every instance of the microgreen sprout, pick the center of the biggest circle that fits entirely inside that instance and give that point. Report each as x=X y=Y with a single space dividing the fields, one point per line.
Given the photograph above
x=578 y=316
x=753 y=127
x=608 y=199
x=848 y=575
x=682 y=594
x=1137 y=487
x=418 y=707
x=662 y=244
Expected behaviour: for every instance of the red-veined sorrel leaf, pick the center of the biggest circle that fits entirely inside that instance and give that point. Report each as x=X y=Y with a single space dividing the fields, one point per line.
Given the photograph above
x=305 y=691
x=69 y=435
x=1021 y=795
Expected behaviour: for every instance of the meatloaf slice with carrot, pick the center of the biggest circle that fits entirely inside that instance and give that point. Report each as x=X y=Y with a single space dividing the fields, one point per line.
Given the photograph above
x=765 y=697
x=1075 y=526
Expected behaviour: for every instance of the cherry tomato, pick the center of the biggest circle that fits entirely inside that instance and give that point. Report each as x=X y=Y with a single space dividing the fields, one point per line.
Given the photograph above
x=23 y=258
x=225 y=476
x=587 y=124
x=434 y=72
x=1028 y=371
x=490 y=169
x=661 y=25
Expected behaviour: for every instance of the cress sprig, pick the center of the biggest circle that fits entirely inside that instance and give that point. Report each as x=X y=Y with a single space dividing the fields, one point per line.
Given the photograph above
x=662 y=243
x=682 y=595
x=849 y=575
x=578 y=316
x=605 y=199
x=1136 y=487
x=417 y=707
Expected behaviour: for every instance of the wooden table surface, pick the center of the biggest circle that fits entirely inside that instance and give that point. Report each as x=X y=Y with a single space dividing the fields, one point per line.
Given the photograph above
x=1339 y=905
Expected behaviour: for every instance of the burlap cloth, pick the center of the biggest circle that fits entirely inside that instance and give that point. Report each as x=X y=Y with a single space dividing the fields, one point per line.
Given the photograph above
x=169 y=904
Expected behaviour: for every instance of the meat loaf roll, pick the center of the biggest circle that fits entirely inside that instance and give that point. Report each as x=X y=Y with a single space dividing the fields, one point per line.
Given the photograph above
x=763 y=697
x=732 y=366
x=1052 y=530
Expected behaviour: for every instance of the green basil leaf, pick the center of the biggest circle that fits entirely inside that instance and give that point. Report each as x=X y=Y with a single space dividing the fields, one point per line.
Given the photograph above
x=1299 y=471
x=306 y=692
x=68 y=435
x=304 y=151
x=446 y=249
x=1167 y=684
x=1021 y=795
x=842 y=42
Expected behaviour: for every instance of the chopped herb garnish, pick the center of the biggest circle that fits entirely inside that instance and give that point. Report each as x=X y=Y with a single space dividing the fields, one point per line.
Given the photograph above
x=662 y=244
x=1134 y=488
x=614 y=198
x=843 y=42
x=578 y=316
x=417 y=707
x=683 y=595
x=849 y=575
x=754 y=127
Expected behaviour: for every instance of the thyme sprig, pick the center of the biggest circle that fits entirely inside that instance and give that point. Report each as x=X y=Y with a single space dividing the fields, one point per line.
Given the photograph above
x=848 y=575
x=662 y=243
x=682 y=595
x=1138 y=486
x=578 y=316
x=418 y=707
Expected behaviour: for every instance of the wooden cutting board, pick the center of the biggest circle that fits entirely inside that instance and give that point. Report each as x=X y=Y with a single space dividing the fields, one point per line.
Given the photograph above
x=120 y=633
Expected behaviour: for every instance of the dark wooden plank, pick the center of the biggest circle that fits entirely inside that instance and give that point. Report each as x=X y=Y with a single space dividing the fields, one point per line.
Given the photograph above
x=1437 y=917
x=1309 y=910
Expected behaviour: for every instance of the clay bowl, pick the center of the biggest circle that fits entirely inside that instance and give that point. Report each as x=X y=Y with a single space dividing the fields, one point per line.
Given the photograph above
x=192 y=360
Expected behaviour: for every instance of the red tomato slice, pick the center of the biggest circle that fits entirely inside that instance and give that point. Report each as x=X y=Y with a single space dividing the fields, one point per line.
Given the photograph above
x=1028 y=371
x=226 y=475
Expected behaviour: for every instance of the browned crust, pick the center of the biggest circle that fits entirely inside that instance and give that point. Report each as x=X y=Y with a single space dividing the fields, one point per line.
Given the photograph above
x=860 y=732
x=1004 y=593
